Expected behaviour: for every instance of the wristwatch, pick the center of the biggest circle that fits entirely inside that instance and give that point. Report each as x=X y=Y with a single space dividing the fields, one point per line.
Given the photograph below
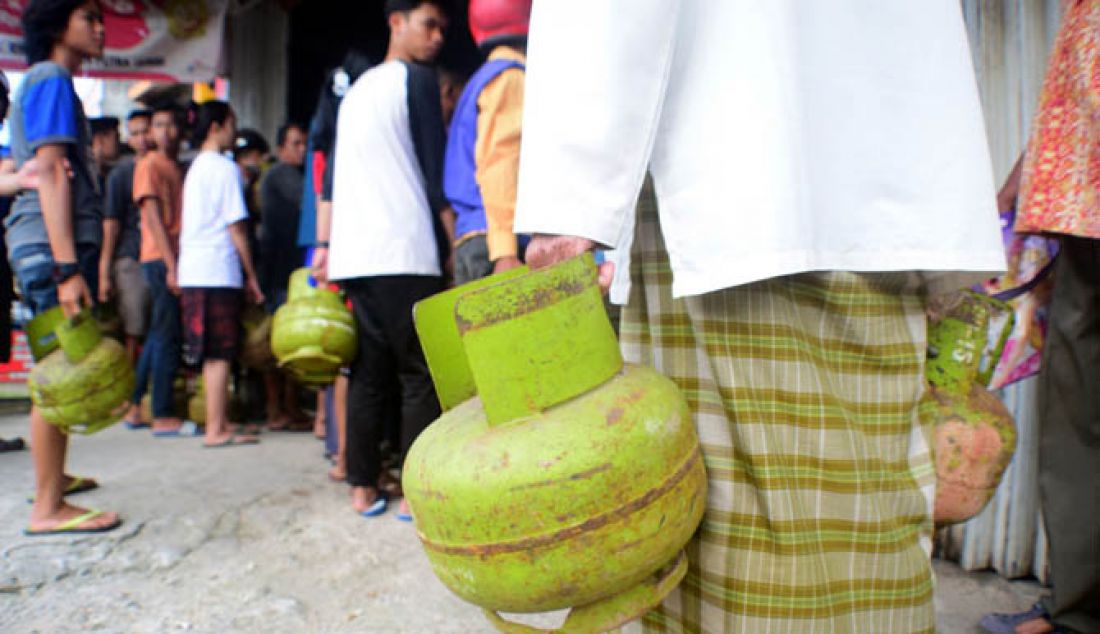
x=62 y=271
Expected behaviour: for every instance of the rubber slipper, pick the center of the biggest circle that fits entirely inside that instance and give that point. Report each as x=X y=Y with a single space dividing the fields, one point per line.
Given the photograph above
x=405 y=517
x=77 y=484
x=132 y=426
x=72 y=527
x=15 y=444
x=295 y=427
x=378 y=507
x=233 y=441
x=188 y=429
x=997 y=623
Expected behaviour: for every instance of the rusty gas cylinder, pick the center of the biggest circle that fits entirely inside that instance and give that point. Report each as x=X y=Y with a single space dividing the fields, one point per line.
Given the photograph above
x=558 y=476
x=973 y=435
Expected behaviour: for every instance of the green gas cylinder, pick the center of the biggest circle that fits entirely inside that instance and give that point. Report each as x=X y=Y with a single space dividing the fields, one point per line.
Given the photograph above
x=83 y=383
x=313 y=335
x=557 y=476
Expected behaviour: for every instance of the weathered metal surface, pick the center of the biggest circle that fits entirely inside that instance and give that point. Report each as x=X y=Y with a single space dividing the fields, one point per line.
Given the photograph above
x=538 y=340
x=974 y=436
x=84 y=385
x=603 y=616
x=585 y=490
x=442 y=344
x=313 y=335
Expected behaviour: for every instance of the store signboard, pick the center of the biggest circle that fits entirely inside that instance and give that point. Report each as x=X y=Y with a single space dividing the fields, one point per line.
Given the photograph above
x=166 y=40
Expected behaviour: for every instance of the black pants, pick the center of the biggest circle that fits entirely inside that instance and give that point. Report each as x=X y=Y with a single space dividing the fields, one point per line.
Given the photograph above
x=388 y=347
x=1069 y=437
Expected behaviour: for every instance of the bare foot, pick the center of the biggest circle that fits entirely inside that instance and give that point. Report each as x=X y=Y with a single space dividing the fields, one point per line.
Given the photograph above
x=1035 y=626
x=362 y=498
x=133 y=414
x=166 y=425
x=45 y=520
x=338 y=473
x=319 y=430
x=229 y=439
x=247 y=429
x=404 y=508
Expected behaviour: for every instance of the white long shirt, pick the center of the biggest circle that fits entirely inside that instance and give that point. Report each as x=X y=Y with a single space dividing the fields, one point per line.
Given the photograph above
x=783 y=136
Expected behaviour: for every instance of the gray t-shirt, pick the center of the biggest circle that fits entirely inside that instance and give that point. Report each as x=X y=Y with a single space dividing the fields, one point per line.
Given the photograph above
x=45 y=111
x=120 y=206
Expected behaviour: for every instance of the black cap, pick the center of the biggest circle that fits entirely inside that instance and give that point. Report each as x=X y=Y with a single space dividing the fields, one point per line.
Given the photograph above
x=248 y=139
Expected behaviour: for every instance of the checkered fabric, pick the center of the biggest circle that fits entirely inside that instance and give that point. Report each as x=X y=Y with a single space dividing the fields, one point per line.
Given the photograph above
x=804 y=390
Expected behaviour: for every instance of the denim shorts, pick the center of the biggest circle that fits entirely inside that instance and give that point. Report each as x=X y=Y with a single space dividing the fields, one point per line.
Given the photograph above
x=33 y=264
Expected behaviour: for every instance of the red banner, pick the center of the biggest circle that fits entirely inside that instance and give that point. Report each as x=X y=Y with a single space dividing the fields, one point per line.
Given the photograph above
x=170 y=40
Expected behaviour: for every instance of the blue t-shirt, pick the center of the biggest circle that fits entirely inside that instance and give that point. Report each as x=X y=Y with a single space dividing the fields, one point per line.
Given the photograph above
x=46 y=111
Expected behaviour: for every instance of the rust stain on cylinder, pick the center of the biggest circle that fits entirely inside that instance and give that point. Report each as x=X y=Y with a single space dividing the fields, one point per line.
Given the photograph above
x=571 y=532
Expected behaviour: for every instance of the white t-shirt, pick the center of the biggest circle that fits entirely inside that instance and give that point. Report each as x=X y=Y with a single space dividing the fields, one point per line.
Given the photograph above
x=381 y=212
x=212 y=200
x=783 y=136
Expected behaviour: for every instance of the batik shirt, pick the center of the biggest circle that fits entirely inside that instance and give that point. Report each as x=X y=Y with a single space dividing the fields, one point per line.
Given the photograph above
x=1060 y=192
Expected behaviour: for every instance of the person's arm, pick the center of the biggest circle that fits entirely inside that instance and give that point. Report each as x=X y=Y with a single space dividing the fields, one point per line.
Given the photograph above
x=153 y=218
x=234 y=214
x=111 y=229
x=55 y=196
x=238 y=232
x=588 y=137
x=323 y=229
x=499 y=126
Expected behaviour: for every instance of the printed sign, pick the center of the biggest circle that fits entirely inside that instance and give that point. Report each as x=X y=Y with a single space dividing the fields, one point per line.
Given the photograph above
x=167 y=40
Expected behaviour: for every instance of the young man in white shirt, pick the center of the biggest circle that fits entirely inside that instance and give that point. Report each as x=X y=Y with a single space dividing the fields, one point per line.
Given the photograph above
x=215 y=265
x=818 y=168
x=387 y=245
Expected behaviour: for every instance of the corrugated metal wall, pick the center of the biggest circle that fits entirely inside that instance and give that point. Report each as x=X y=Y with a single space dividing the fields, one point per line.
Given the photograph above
x=1010 y=41
x=258 y=69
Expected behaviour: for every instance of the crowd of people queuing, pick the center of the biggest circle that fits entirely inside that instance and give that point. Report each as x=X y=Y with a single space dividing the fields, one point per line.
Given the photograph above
x=796 y=330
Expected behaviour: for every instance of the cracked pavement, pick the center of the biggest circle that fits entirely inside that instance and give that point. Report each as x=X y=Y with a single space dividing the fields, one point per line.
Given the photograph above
x=256 y=539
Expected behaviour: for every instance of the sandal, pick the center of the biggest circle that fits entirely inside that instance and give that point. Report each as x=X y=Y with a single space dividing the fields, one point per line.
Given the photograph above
x=72 y=527
x=77 y=484
x=998 y=623
x=15 y=444
x=234 y=440
x=377 y=507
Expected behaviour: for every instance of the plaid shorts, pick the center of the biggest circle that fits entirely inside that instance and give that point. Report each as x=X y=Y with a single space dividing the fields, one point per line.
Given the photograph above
x=804 y=390
x=211 y=324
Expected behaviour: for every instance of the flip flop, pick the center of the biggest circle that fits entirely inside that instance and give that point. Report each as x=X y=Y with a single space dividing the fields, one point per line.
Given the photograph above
x=78 y=484
x=132 y=426
x=15 y=444
x=72 y=527
x=294 y=427
x=188 y=429
x=378 y=507
x=233 y=441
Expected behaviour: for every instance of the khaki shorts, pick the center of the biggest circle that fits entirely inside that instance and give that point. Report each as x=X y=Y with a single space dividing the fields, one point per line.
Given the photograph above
x=132 y=294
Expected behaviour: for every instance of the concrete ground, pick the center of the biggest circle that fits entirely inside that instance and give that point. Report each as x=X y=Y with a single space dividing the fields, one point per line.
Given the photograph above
x=256 y=539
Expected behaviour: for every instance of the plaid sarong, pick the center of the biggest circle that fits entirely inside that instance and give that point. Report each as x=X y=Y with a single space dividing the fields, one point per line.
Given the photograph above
x=804 y=391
